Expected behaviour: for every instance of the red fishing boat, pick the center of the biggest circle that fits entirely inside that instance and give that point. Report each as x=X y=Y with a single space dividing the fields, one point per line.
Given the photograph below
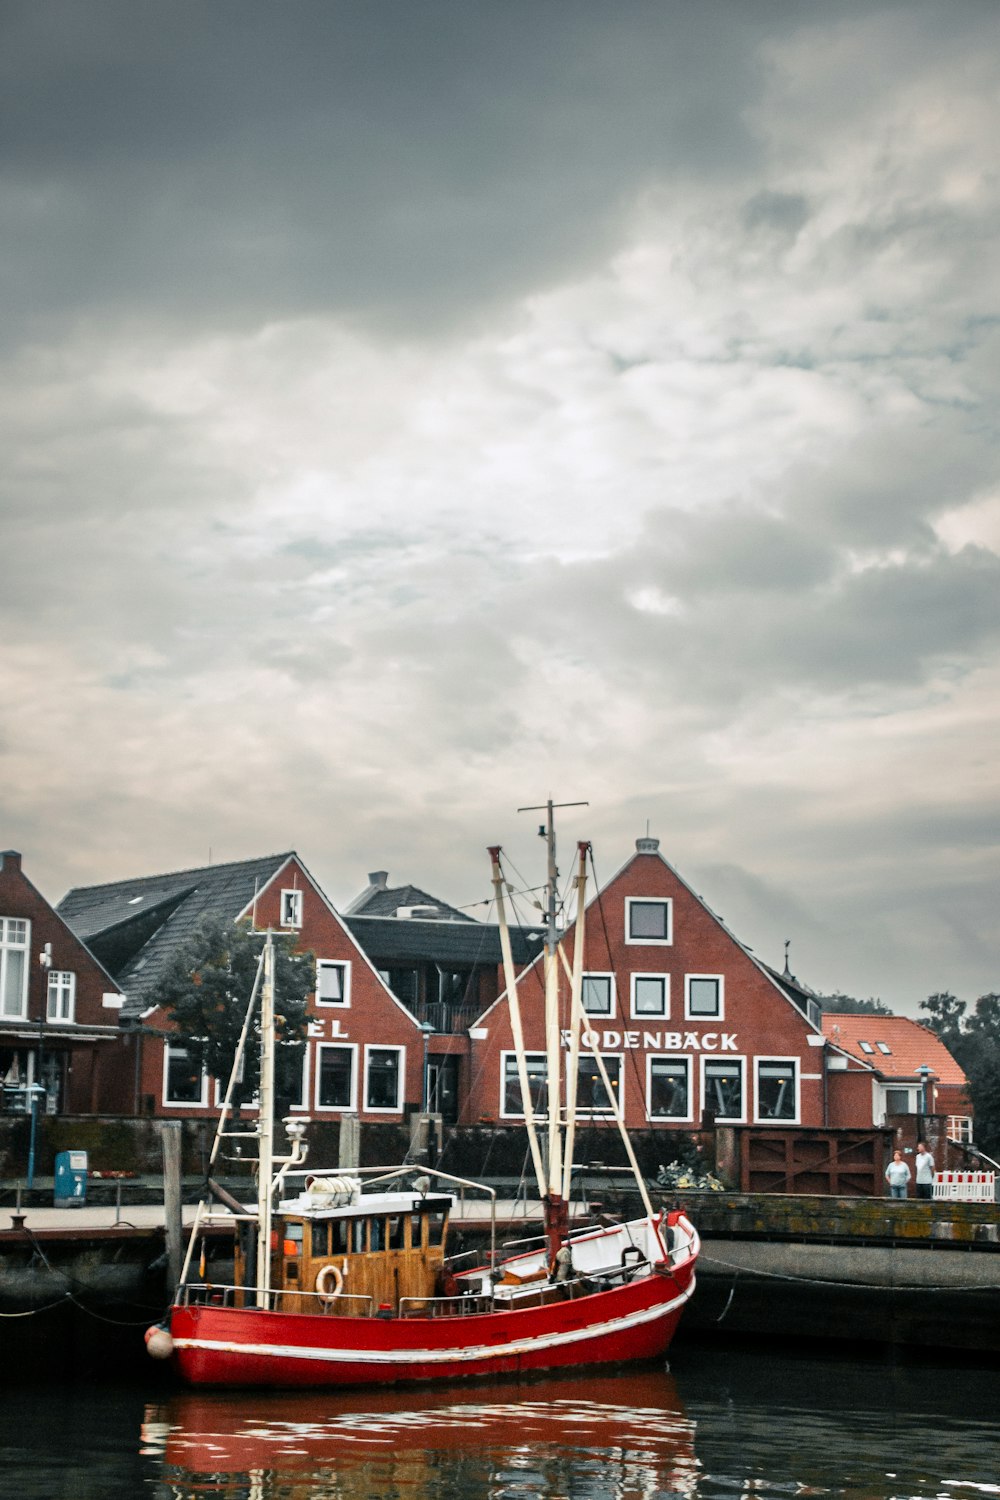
x=347 y=1280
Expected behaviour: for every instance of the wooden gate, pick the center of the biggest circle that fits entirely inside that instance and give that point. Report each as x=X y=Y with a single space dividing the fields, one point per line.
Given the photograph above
x=846 y=1163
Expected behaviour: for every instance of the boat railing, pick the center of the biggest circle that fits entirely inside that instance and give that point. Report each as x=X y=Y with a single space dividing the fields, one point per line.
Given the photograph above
x=444 y=1307
x=211 y=1294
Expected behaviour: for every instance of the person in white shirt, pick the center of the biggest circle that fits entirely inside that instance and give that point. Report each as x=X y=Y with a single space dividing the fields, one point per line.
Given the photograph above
x=897 y=1175
x=924 y=1164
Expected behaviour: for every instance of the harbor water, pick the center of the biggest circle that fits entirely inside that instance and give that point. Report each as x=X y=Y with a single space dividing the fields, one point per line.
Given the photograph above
x=722 y=1422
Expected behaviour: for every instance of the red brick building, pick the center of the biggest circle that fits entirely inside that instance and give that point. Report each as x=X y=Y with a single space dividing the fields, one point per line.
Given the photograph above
x=693 y=1027
x=365 y=1050
x=886 y=1066
x=59 y=1010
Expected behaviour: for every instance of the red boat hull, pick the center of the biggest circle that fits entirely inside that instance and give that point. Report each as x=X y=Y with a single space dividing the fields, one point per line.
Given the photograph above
x=219 y=1346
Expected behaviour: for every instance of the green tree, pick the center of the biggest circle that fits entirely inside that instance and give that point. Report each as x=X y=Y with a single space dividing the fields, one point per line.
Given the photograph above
x=973 y=1039
x=206 y=992
x=848 y=1005
x=945 y=1014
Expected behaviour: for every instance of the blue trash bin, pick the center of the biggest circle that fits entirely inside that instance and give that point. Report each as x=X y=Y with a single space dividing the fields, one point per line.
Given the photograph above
x=71 y=1179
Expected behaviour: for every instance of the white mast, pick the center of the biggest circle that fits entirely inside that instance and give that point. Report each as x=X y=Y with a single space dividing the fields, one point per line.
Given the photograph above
x=265 y=1124
x=517 y=1032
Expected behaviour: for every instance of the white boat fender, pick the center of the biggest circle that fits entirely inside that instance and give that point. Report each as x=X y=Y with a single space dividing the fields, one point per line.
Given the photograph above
x=159 y=1344
x=562 y=1266
x=329 y=1283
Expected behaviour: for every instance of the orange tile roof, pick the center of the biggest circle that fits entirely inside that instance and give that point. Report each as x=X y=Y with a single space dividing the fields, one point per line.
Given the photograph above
x=910 y=1044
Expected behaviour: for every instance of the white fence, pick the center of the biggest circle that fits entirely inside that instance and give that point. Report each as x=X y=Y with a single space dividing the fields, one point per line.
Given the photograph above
x=967 y=1187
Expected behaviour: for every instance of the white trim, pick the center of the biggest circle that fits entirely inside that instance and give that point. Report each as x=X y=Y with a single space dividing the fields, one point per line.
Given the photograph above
x=61 y=974
x=291 y=909
x=649 y=942
x=386 y=1109
x=720 y=1014
x=201 y=1103
x=350 y=1108
x=605 y=1015
x=796 y=1118
x=681 y=1057
x=649 y=1015
x=706 y=1062
x=8 y=946
x=334 y=963
x=518 y=1114
x=603 y=1114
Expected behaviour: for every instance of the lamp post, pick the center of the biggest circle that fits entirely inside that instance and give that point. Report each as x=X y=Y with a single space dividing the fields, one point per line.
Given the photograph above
x=925 y=1073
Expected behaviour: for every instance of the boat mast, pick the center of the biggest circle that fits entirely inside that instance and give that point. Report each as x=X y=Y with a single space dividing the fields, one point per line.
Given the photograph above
x=265 y=1124
x=556 y=1205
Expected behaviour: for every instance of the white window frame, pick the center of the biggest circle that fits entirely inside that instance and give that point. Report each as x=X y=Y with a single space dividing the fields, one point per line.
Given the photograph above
x=706 y=1062
x=604 y=1114
x=341 y=1109
x=291 y=908
x=646 y=1015
x=9 y=945
x=674 y=1057
x=335 y=963
x=64 y=983
x=911 y=1090
x=720 y=1014
x=794 y=1119
x=168 y=1103
x=515 y=1114
x=649 y=942
x=960 y=1129
x=606 y=1015
x=386 y=1109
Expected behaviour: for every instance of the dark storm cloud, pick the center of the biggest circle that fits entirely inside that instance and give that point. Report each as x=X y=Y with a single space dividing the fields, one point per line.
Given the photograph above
x=399 y=162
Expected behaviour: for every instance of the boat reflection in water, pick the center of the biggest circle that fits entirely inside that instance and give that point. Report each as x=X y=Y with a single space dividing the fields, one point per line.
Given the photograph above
x=606 y=1435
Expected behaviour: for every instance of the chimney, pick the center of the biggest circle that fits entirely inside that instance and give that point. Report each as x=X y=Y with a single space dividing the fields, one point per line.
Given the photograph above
x=647 y=845
x=378 y=879
x=10 y=860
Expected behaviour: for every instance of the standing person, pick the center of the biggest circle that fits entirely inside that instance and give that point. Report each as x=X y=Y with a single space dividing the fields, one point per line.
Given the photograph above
x=924 y=1164
x=897 y=1175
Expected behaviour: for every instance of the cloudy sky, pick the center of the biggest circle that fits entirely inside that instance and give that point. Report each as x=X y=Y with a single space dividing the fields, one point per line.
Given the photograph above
x=413 y=409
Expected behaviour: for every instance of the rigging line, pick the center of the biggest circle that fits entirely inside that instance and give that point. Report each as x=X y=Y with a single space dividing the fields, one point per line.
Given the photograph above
x=32 y=1312
x=875 y=1286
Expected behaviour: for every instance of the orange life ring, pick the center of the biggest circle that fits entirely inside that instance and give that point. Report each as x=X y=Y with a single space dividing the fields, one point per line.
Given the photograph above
x=329 y=1283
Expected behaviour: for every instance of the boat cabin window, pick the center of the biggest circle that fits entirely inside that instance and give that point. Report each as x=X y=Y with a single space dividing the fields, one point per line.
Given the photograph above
x=416 y=1234
x=435 y=1228
x=397 y=1232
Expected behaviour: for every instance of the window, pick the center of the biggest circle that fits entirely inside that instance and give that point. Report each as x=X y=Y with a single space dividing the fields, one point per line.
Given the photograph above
x=648 y=921
x=591 y=1095
x=669 y=1088
x=511 y=1103
x=335 y=1077
x=298 y=1091
x=884 y=1048
x=722 y=1088
x=291 y=909
x=650 y=995
x=62 y=995
x=596 y=994
x=703 y=997
x=333 y=982
x=776 y=1090
x=15 y=934
x=185 y=1080
x=960 y=1128
x=901 y=1101
x=867 y=1047
x=384 y=1078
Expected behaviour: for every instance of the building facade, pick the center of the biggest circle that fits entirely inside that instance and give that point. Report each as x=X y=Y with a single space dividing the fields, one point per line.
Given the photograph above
x=61 y=1048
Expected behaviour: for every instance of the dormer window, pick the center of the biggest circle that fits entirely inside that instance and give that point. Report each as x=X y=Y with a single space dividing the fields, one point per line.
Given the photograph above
x=291 y=909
